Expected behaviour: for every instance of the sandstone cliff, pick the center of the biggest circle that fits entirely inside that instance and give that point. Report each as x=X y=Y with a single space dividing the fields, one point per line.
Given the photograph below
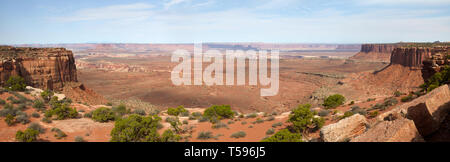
x=375 y=52
x=45 y=68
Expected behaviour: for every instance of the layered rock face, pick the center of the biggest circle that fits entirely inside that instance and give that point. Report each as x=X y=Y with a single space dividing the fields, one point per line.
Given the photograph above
x=418 y=57
x=375 y=52
x=45 y=68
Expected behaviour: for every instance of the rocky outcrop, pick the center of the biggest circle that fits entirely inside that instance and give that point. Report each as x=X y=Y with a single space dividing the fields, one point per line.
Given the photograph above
x=427 y=111
x=414 y=57
x=399 y=130
x=375 y=52
x=45 y=68
x=345 y=129
x=81 y=94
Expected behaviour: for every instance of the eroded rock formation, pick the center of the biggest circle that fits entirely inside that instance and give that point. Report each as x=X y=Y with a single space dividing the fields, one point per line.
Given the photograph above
x=45 y=68
x=375 y=52
x=345 y=129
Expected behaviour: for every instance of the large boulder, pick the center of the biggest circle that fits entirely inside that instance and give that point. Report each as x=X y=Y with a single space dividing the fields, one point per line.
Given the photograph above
x=398 y=130
x=345 y=129
x=427 y=111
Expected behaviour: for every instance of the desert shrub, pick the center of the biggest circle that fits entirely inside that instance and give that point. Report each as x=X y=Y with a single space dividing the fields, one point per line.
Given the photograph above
x=437 y=79
x=258 y=120
x=373 y=114
x=140 y=112
x=29 y=135
x=2 y=102
x=250 y=126
x=397 y=93
x=270 y=118
x=205 y=135
x=109 y=104
x=346 y=114
x=176 y=111
x=358 y=110
x=21 y=98
x=9 y=109
x=202 y=119
x=36 y=126
x=274 y=125
x=46 y=120
x=88 y=115
x=39 y=105
x=370 y=99
x=284 y=135
x=352 y=102
x=185 y=122
x=219 y=112
x=230 y=122
x=302 y=118
x=323 y=113
x=243 y=122
x=136 y=128
x=390 y=101
x=252 y=115
x=35 y=115
x=79 y=139
x=119 y=110
x=239 y=134
x=103 y=114
x=23 y=118
x=59 y=133
x=47 y=95
x=170 y=136
x=241 y=115
x=196 y=114
x=192 y=117
x=63 y=111
x=15 y=83
x=270 y=131
x=407 y=98
x=185 y=113
x=10 y=120
x=13 y=100
x=22 y=107
x=219 y=125
x=334 y=101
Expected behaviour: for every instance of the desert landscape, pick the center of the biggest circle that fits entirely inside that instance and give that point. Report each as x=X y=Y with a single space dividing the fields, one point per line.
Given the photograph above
x=224 y=71
x=97 y=77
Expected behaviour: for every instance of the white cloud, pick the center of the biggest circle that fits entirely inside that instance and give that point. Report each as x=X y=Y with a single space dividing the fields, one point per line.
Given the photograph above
x=173 y=2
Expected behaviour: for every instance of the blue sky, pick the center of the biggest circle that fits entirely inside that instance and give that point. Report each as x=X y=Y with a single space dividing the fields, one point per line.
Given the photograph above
x=187 y=21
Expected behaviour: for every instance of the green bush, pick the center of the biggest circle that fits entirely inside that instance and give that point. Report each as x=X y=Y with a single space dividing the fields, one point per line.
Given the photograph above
x=239 y=134
x=15 y=83
x=408 y=98
x=170 y=136
x=23 y=118
x=176 y=111
x=277 y=124
x=39 y=105
x=334 y=101
x=59 y=133
x=205 y=135
x=10 y=120
x=397 y=93
x=62 y=112
x=103 y=114
x=36 y=126
x=47 y=95
x=29 y=135
x=347 y=114
x=302 y=118
x=46 y=120
x=270 y=131
x=437 y=79
x=120 y=110
x=323 y=113
x=252 y=115
x=2 y=102
x=219 y=112
x=358 y=110
x=136 y=128
x=35 y=115
x=284 y=135
x=219 y=125
x=140 y=112
x=243 y=122
x=373 y=114
x=270 y=118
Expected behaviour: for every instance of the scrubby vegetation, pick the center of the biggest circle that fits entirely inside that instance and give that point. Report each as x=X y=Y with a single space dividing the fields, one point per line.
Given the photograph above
x=277 y=124
x=103 y=114
x=239 y=134
x=79 y=139
x=284 y=135
x=270 y=131
x=136 y=128
x=29 y=135
x=62 y=111
x=205 y=135
x=10 y=120
x=302 y=119
x=334 y=101
x=408 y=98
x=39 y=105
x=252 y=115
x=176 y=111
x=218 y=112
x=59 y=133
x=15 y=83
x=47 y=95
x=438 y=79
x=37 y=126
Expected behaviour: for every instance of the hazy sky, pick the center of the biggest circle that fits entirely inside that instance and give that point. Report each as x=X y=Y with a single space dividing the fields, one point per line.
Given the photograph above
x=186 y=21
